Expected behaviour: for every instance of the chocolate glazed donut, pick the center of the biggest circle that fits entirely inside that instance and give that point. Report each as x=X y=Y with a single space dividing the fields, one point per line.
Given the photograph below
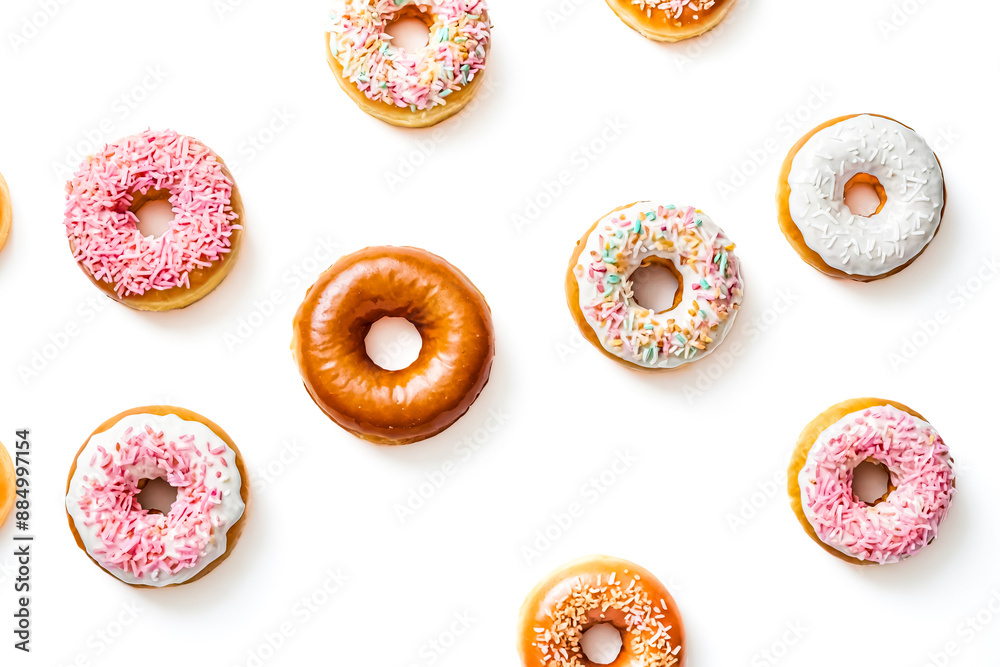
x=421 y=400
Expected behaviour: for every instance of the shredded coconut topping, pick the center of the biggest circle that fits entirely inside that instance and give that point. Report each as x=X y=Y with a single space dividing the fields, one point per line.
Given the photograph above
x=919 y=466
x=454 y=54
x=103 y=230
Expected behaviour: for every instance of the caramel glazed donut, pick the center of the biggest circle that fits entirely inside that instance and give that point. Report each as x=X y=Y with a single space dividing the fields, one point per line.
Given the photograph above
x=821 y=474
x=5 y=213
x=694 y=249
x=833 y=158
x=415 y=89
x=192 y=257
x=143 y=548
x=671 y=20
x=417 y=402
x=593 y=591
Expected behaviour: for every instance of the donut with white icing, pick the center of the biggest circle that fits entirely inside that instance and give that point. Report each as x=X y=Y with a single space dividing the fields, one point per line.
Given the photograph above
x=5 y=212
x=877 y=151
x=411 y=89
x=685 y=241
x=599 y=590
x=921 y=481
x=187 y=261
x=145 y=548
x=671 y=20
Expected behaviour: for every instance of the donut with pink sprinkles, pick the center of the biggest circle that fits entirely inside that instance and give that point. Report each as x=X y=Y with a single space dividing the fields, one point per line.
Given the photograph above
x=403 y=87
x=143 y=546
x=187 y=261
x=921 y=481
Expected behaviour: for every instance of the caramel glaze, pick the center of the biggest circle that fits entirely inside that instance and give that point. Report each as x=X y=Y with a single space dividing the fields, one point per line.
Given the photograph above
x=808 y=438
x=661 y=25
x=539 y=609
x=8 y=484
x=5 y=212
x=401 y=116
x=417 y=402
x=202 y=281
x=791 y=230
x=235 y=531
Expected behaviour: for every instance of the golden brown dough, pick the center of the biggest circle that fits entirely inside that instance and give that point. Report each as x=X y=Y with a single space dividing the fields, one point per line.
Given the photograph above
x=8 y=484
x=663 y=25
x=5 y=212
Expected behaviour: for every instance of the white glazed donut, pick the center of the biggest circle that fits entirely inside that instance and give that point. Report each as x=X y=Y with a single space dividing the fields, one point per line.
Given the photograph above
x=142 y=547
x=685 y=241
x=877 y=150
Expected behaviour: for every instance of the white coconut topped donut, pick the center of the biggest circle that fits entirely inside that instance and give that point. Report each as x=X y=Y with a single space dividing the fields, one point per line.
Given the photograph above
x=912 y=195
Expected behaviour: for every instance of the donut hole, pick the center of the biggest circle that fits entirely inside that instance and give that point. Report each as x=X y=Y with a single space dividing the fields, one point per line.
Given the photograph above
x=656 y=285
x=156 y=496
x=601 y=644
x=409 y=29
x=153 y=211
x=864 y=195
x=871 y=482
x=393 y=343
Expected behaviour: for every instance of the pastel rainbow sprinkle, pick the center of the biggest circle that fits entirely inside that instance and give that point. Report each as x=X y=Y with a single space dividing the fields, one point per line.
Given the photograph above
x=674 y=8
x=919 y=466
x=454 y=54
x=104 y=233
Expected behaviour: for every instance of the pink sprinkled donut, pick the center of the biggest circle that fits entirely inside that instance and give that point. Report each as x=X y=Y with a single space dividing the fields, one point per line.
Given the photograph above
x=183 y=264
x=921 y=477
x=412 y=89
x=145 y=548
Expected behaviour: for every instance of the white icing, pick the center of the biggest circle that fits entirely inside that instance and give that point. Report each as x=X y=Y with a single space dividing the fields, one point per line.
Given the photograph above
x=224 y=515
x=907 y=169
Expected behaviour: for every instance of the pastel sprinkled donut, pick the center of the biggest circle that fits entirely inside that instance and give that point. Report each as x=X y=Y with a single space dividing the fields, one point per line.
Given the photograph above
x=145 y=548
x=685 y=241
x=400 y=406
x=5 y=213
x=187 y=261
x=8 y=484
x=838 y=155
x=921 y=476
x=671 y=20
x=412 y=89
x=600 y=590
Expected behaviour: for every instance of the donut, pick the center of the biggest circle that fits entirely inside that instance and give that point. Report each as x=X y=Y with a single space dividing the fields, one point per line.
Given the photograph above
x=415 y=89
x=671 y=20
x=8 y=484
x=5 y=214
x=417 y=402
x=600 y=590
x=145 y=548
x=186 y=262
x=683 y=240
x=860 y=149
x=921 y=481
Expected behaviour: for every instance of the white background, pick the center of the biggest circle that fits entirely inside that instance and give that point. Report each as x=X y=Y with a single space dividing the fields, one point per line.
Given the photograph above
x=687 y=116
